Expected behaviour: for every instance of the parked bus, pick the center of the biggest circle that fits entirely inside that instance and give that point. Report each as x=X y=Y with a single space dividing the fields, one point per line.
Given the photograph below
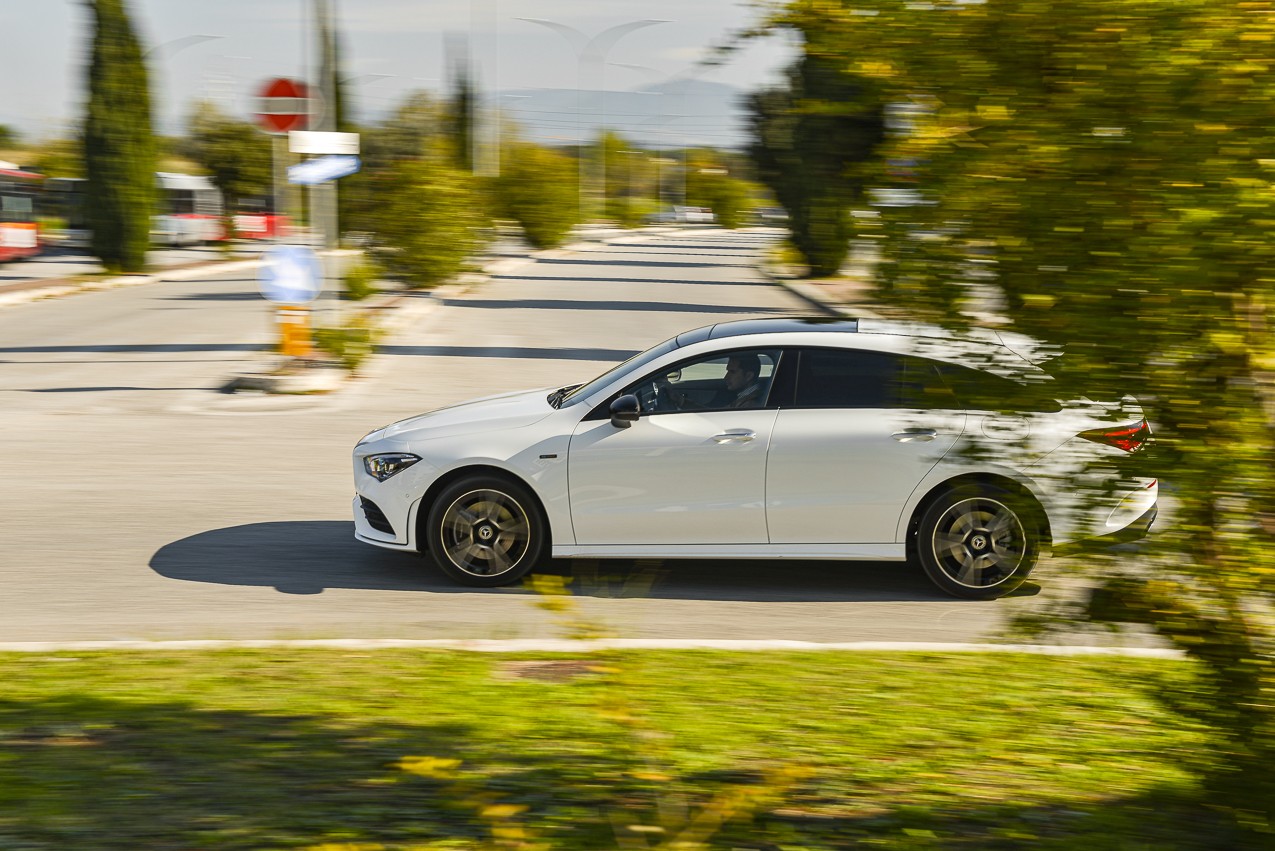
x=63 y=200
x=189 y=211
x=19 y=234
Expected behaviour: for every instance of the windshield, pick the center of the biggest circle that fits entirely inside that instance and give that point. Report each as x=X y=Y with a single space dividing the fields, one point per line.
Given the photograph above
x=636 y=362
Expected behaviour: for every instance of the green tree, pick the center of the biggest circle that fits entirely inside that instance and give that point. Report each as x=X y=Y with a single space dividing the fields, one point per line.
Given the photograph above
x=119 y=145
x=235 y=154
x=538 y=188
x=428 y=220
x=810 y=139
x=9 y=137
x=1113 y=168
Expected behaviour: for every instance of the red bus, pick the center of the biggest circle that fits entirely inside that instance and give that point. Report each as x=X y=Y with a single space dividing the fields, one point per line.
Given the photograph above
x=19 y=235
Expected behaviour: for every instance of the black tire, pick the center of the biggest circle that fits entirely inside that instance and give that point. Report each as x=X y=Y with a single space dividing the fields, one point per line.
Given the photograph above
x=486 y=531
x=979 y=543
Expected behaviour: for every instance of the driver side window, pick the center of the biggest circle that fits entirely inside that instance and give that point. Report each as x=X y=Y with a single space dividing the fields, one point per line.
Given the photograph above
x=718 y=382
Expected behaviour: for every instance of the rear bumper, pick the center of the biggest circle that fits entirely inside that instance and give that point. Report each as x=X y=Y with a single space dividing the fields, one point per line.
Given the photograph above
x=1135 y=531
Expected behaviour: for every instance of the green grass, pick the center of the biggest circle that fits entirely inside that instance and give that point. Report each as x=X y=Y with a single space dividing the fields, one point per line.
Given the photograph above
x=298 y=748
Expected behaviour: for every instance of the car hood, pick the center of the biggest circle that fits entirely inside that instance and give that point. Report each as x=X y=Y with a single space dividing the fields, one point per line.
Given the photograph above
x=508 y=410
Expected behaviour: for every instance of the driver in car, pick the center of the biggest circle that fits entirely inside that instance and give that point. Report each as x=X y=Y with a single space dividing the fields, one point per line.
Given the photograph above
x=743 y=390
x=741 y=387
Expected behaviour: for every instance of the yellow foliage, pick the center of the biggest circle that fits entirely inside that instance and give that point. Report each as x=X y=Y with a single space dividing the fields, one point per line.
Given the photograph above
x=439 y=768
x=502 y=811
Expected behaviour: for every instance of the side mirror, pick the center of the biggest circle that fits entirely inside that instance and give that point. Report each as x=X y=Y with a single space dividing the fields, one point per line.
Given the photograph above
x=625 y=411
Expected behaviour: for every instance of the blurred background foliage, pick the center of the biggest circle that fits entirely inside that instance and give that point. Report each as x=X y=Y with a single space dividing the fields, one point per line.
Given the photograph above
x=428 y=219
x=539 y=189
x=716 y=179
x=1111 y=167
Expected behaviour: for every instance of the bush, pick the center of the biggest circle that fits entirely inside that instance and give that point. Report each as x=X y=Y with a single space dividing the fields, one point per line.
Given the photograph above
x=539 y=189
x=428 y=221
x=725 y=195
x=350 y=344
x=626 y=212
x=360 y=280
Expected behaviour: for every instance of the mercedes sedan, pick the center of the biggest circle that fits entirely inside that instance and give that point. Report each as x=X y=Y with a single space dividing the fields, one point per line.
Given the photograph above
x=767 y=439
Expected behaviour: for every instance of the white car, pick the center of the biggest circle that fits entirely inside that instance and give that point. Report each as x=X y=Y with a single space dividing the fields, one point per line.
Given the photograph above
x=766 y=439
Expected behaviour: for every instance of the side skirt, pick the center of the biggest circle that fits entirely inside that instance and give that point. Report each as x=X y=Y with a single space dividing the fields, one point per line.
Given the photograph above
x=837 y=552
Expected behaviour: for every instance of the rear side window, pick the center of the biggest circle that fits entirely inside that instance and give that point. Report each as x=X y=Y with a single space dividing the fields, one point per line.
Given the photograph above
x=984 y=391
x=843 y=378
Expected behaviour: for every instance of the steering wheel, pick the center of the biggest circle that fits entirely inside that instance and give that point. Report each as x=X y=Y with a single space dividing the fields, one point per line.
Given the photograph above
x=654 y=394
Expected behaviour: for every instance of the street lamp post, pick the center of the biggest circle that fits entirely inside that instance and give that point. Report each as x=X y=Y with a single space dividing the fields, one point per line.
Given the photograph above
x=691 y=73
x=169 y=48
x=590 y=51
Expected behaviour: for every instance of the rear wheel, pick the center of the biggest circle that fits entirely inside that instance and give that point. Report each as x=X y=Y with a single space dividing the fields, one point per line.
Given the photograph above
x=978 y=542
x=486 y=531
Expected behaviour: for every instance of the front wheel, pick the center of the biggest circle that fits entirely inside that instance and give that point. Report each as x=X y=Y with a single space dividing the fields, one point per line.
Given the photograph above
x=486 y=531
x=978 y=543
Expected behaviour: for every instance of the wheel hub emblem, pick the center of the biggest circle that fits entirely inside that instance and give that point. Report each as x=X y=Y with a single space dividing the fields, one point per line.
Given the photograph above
x=485 y=533
x=978 y=542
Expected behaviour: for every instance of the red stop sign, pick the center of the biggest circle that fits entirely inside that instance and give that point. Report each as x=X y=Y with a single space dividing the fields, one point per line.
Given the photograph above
x=282 y=105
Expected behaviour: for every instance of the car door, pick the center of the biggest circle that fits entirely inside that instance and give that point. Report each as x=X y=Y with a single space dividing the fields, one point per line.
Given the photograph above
x=864 y=428
x=690 y=472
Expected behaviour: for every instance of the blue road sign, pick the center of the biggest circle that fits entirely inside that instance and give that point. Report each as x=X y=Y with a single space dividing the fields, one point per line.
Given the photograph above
x=290 y=274
x=323 y=169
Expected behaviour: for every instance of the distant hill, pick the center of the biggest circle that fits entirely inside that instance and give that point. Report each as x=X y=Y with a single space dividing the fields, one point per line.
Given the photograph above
x=669 y=115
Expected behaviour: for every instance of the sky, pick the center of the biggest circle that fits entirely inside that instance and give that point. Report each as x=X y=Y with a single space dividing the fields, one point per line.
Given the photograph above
x=390 y=47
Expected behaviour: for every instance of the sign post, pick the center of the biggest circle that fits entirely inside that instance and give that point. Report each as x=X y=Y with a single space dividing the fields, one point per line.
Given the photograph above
x=282 y=106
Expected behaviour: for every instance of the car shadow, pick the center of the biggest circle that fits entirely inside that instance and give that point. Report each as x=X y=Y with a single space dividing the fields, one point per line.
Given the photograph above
x=309 y=557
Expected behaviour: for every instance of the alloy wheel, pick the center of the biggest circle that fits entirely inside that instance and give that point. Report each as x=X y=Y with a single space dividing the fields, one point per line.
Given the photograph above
x=485 y=533
x=979 y=542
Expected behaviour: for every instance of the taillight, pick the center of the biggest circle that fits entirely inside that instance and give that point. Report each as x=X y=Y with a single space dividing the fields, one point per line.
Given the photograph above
x=1127 y=437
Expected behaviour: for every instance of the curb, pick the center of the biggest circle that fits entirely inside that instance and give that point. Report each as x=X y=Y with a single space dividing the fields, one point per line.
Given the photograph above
x=28 y=291
x=534 y=645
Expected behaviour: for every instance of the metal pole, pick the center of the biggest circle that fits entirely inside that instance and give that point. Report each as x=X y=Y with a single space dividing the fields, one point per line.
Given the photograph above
x=279 y=144
x=325 y=193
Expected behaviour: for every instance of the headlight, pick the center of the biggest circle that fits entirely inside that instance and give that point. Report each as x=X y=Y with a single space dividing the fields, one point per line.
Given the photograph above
x=381 y=467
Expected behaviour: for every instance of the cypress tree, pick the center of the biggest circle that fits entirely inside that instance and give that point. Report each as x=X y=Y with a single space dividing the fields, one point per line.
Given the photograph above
x=461 y=108
x=119 y=145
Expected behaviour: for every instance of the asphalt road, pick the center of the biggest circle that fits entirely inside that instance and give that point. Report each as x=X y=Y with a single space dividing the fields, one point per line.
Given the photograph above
x=140 y=503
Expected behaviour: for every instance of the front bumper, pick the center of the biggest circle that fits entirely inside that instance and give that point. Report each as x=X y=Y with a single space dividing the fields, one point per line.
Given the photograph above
x=368 y=517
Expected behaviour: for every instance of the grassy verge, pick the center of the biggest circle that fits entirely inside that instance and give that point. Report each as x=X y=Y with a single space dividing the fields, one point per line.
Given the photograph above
x=435 y=750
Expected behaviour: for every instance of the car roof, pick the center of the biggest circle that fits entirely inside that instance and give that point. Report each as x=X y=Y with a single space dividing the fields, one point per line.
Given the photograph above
x=839 y=325
x=981 y=347
x=779 y=325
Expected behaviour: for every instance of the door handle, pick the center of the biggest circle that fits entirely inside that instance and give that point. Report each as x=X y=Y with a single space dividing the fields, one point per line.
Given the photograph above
x=741 y=435
x=915 y=435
